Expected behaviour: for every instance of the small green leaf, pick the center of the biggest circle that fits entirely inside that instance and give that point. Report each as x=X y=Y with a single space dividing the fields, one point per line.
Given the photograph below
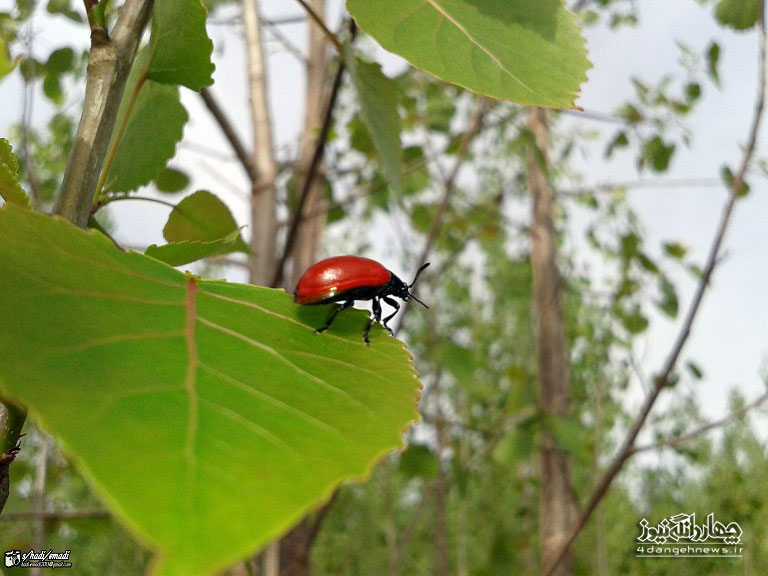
x=693 y=91
x=630 y=113
x=155 y=125
x=418 y=461
x=10 y=190
x=7 y=64
x=63 y=8
x=527 y=51
x=180 y=253
x=713 y=57
x=738 y=14
x=60 y=61
x=630 y=244
x=180 y=47
x=727 y=175
x=378 y=96
x=619 y=141
x=657 y=154
x=210 y=417
x=52 y=88
x=675 y=250
x=202 y=217
x=668 y=303
x=170 y=180
x=635 y=322
x=694 y=369
x=645 y=261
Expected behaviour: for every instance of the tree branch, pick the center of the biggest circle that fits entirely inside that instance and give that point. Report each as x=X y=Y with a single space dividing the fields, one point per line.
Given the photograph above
x=683 y=438
x=230 y=134
x=663 y=379
x=109 y=63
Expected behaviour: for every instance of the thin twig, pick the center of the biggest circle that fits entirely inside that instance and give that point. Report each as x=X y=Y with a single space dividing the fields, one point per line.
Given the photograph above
x=319 y=21
x=111 y=199
x=693 y=434
x=313 y=167
x=664 y=377
x=230 y=134
x=475 y=125
x=286 y=43
x=587 y=190
x=474 y=128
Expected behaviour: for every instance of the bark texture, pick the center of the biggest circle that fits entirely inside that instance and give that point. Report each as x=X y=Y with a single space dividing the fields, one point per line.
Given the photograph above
x=555 y=505
x=263 y=195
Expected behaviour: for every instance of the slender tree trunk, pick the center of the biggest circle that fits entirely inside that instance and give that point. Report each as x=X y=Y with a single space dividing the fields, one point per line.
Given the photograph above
x=555 y=506
x=296 y=545
x=263 y=192
x=263 y=195
x=306 y=249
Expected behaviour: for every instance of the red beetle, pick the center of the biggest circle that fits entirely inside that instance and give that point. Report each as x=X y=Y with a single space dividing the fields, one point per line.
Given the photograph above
x=350 y=278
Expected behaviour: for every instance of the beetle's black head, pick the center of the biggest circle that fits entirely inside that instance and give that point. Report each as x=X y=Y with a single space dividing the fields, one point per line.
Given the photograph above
x=402 y=290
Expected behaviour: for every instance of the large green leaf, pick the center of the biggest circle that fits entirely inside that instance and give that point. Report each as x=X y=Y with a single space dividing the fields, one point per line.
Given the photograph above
x=202 y=217
x=180 y=47
x=378 y=97
x=208 y=415
x=10 y=191
x=526 y=51
x=155 y=123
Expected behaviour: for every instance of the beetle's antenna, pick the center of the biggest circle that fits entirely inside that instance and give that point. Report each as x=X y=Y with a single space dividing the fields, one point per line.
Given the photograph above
x=420 y=270
x=419 y=301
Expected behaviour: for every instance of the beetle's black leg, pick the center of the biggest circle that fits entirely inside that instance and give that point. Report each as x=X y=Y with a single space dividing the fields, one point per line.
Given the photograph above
x=375 y=316
x=332 y=315
x=394 y=305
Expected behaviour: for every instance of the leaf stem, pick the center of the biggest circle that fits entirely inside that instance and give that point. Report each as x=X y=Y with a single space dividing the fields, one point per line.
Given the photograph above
x=110 y=199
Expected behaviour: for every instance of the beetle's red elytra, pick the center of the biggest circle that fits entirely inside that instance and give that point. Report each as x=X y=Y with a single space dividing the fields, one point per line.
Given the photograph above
x=349 y=278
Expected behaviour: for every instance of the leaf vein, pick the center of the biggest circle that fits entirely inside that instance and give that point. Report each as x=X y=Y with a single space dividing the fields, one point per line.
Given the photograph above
x=474 y=41
x=271 y=399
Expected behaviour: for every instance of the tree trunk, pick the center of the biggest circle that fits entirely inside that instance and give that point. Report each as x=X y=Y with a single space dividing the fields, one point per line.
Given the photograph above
x=263 y=195
x=309 y=234
x=296 y=545
x=555 y=506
